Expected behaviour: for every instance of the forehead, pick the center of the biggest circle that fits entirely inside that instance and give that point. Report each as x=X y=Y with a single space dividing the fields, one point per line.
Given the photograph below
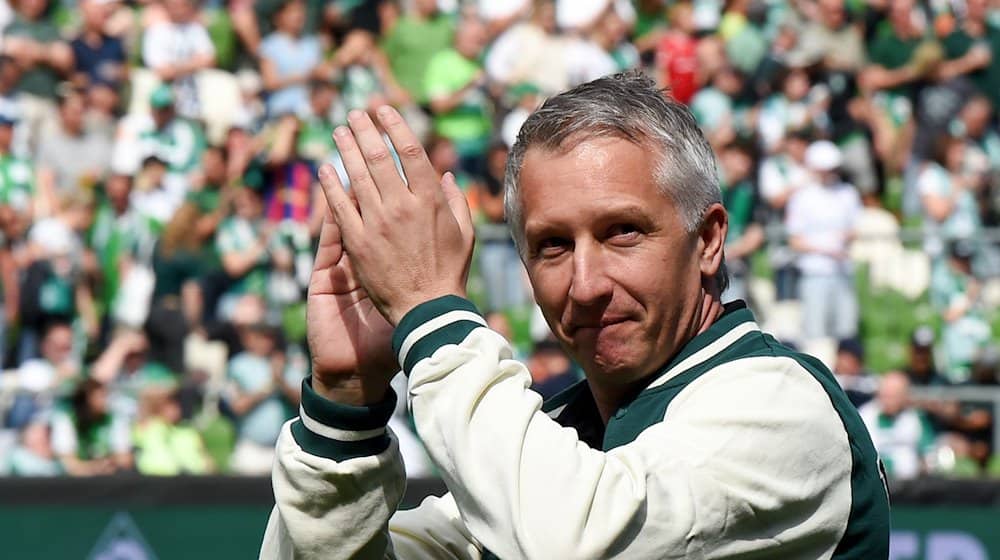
x=593 y=177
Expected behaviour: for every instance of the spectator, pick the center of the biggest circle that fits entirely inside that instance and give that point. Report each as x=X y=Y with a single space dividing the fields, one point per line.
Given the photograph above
x=901 y=434
x=820 y=220
x=176 y=49
x=71 y=157
x=33 y=454
x=851 y=373
x=453 y=86
x=551 y=370
x=18 y=189
x=40 y=379
x=422 y=32
x=955 y=293
x=921 y=368
x=33 y=42
x=101 y=68
x=503 y=273
x=948 y=196
x=799 y=104
x=289 y=60
x=165 y=446
x=781 y=175
x=676 y=58
x=242 y=242
x=745 y=234
x=87 y=437
x=261 y=394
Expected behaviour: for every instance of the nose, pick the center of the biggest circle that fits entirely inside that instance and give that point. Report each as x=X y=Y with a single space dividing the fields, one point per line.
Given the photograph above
x=591 y=285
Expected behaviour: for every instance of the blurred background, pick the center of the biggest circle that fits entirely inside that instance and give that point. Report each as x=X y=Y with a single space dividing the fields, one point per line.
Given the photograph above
x=159 y=212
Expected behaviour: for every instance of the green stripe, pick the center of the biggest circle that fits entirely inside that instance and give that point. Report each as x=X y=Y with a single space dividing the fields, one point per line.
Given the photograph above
x=337 y=450
x=453 y=333
x=344 y=417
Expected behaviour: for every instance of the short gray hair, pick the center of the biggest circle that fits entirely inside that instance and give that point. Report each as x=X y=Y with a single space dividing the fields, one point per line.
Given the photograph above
x=630 y=106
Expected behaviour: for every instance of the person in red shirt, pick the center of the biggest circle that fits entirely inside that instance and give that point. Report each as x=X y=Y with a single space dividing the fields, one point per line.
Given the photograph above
x=676 y=55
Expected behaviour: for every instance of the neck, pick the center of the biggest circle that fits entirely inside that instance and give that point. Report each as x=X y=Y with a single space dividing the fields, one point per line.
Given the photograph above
x=610 y=398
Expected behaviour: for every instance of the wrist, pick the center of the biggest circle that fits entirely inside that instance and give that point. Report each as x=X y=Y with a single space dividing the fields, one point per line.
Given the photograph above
x=350 y=390
x=396 y=313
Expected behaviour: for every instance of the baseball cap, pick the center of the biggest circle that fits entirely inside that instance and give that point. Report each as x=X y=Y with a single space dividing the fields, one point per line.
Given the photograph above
x=492 y=10
x=162 y=96
x=579 y=14
x=851 y=346
x=823 y=155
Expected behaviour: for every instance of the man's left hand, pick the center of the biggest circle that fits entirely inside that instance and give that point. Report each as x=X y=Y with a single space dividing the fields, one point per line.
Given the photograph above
x=409 y=241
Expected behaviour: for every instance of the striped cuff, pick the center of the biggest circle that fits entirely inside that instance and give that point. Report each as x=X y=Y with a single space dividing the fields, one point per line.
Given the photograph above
x=341 y=432
x=431 y=325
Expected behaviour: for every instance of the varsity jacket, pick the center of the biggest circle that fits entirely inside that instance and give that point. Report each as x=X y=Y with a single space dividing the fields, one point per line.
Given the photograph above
x=737 y=448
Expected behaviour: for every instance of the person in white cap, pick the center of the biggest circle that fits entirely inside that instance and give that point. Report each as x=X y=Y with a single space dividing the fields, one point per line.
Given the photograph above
x=820 y=221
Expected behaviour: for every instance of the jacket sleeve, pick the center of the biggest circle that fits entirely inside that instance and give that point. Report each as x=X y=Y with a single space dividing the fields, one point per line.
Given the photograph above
x=705 y=483
x=338 y=479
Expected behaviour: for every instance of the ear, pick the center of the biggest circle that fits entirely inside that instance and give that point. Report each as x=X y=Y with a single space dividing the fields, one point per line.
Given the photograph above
x=712 y=239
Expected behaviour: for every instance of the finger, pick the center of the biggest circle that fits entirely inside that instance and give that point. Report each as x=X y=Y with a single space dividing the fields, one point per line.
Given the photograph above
x=362 y=184
x=378 y=157
x=341 y=206
x=420 y=175
x=459 y=206
x=330 y=249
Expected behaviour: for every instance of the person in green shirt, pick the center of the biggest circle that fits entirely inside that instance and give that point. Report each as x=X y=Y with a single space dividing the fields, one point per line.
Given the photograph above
x=243 y=243
x=969 y=50
x=417 y=36
x=17 y=177
x=176 y=141
x=33 y=40
x=454 y=86
x=745 y=235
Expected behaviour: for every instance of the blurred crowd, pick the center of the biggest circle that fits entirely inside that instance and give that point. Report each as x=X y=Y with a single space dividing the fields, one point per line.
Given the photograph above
x=159 y=208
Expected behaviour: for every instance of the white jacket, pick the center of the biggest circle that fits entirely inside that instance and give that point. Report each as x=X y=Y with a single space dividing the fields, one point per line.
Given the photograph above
x=738 y=448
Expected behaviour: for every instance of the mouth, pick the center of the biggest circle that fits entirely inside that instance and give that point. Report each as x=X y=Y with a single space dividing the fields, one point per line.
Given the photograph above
x=604 y=322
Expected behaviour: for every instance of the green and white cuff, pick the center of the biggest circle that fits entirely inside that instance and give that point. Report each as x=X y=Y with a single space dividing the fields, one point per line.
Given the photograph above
x=431 y=325
x=341 y=432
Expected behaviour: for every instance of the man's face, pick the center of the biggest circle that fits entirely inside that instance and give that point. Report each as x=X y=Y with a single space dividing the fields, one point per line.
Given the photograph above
x=58 y=345
x=614 y=271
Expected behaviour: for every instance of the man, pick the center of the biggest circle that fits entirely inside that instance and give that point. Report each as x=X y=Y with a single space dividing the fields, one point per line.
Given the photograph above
x=71 y=157
x=901 y=433
x=176 y=50
x=820 y=219
x=453 y=87
x=694 y=433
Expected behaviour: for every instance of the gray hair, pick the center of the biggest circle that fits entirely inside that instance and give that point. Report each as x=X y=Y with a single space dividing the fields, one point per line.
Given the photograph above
x=630 y=106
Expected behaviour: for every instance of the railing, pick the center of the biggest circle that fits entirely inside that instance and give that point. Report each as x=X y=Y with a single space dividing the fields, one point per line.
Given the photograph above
x=966 y=394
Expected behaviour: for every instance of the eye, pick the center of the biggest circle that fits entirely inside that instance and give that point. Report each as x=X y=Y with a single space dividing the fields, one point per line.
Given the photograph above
x=623 y=232
x=551 y=247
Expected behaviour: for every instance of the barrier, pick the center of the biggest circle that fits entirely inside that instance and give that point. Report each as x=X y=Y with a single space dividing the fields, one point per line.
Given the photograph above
x=221 y=518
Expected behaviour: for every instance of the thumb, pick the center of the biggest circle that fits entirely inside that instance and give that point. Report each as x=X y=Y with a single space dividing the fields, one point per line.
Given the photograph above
x=459 y=207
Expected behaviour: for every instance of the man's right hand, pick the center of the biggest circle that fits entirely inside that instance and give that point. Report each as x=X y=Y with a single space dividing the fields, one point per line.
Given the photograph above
x=350 y=341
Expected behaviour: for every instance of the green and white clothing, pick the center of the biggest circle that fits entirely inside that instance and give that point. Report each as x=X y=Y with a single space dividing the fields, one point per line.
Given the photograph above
x=111 y=435
x=962 y=223
x=469 y=124
x=901 y=440
x=737 y=447
x=237 y=235
x=963 y=338
x=249 y=373
x=115 y=236
x=180 y=144
x=17 y=182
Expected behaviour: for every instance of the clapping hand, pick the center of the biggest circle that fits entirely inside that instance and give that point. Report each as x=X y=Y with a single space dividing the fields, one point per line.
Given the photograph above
x=385 y=248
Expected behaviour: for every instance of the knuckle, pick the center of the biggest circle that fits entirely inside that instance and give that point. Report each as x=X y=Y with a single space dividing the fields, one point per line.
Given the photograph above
x=411 y=151
x=377 y=155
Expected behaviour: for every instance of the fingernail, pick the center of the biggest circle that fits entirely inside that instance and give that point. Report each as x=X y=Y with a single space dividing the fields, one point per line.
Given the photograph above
x=342 y=132
x=385 y=111
x=354 y=115
x=324 y=171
